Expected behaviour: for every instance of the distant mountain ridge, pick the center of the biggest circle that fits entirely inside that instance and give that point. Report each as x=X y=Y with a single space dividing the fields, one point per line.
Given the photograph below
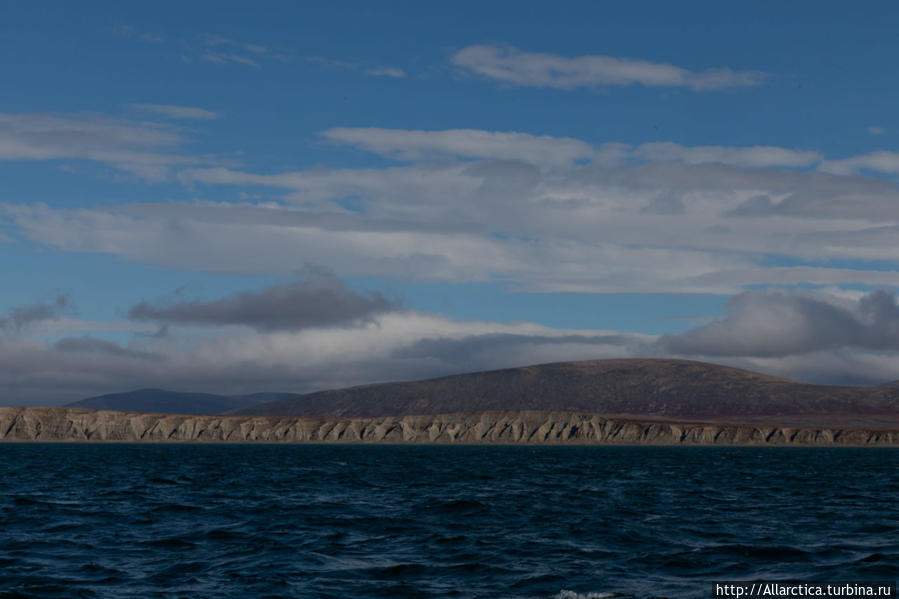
x=655 y=388
x=174 y=402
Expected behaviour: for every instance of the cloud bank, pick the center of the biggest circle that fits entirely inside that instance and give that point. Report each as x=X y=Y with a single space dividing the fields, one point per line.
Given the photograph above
x=540 y=213
x=319 y=300
x=778 y=323
x=397 y=345
x=813 y=336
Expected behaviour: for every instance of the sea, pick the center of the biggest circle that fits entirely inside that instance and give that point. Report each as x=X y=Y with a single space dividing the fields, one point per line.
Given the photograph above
x=358 y=521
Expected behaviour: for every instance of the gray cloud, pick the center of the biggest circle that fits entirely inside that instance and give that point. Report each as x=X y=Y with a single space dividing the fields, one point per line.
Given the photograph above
x=760 y=205
x=500 y=350
x=21 y=317
x=512 y=66
x=91 y=345
x=319 y=300
x=787 y=275
x=665 y=203
x=776 y=323
x=398 y=345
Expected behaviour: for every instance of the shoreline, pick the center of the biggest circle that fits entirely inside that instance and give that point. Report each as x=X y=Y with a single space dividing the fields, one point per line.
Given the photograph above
x=53 y=425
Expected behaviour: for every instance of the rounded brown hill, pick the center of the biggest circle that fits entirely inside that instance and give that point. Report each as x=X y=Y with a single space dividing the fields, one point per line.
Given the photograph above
x=669 y=389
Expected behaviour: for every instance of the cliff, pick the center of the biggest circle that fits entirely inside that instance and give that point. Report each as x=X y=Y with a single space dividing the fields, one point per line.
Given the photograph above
x=521 y=427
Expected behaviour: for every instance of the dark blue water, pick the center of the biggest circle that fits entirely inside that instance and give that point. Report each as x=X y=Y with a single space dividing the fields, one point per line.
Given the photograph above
x=386 y=521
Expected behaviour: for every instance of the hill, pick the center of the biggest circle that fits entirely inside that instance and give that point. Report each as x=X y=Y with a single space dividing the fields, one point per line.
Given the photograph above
x=631 y=388
x=174 y=402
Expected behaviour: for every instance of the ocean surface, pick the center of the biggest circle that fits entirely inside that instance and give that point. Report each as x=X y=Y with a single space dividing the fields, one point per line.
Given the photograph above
x=81 y=520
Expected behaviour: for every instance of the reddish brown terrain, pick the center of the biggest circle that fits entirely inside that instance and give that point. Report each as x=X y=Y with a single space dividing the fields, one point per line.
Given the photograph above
x=656 y=389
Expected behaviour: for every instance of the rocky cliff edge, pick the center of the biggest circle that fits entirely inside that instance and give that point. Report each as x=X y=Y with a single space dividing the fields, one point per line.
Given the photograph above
x=522 y=427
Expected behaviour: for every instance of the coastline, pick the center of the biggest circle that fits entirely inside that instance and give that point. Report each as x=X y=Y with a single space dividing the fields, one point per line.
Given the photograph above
x=36 y=424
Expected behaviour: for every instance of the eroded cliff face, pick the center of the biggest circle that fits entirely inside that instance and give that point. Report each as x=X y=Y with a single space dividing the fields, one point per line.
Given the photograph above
x=558 y=428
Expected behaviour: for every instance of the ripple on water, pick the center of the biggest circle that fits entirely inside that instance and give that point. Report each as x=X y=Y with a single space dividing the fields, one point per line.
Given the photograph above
x=135 y=521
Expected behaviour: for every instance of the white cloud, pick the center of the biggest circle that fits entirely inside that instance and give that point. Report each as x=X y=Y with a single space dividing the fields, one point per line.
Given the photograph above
x=851 y=366
x=331 y=63
x=512 y=66
x=789 y=275
x=225 y=58
x=223 y=50
x=879 y=162
x=177 y=112
x=148 y=150
x=463 y=143
x=876 y=130
x=408 y=144
x=129 y=31
x=218 y=40
x=520 y=209
x=751 y=157
x=392 y=72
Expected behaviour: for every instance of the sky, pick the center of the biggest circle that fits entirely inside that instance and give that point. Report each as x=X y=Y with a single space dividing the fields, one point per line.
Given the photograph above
x=283 y=196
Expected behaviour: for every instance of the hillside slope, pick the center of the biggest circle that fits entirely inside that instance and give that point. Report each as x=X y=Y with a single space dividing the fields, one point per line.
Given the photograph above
x=173 y=402
x=662 y=389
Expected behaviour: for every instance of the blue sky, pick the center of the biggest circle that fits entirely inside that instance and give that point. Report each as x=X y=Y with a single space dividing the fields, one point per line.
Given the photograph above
x=506 y=182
